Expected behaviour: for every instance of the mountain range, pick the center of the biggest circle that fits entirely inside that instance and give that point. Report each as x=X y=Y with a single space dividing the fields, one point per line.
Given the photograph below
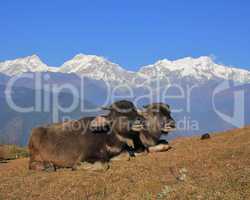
x=99 y=68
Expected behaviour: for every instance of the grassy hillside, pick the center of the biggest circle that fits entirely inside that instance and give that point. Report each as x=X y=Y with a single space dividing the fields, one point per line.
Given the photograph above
x=218 y=168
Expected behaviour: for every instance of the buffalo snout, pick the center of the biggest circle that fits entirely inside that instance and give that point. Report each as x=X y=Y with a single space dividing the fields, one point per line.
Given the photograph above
x=138 y=124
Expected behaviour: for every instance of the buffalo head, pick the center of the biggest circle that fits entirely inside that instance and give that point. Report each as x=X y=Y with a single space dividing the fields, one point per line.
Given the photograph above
x=124 y=117
x=158 y=121
x=158 y=118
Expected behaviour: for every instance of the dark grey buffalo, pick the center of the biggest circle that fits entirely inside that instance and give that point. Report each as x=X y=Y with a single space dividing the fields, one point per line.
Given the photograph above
x=69 y=143
x=158 y=122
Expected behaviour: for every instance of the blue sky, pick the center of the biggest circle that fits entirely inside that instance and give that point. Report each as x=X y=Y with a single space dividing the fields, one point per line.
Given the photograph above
x=130 y=33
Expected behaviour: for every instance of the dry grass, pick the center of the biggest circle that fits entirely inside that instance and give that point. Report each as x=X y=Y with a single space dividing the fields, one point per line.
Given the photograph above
x=10 y=152
x=218 y=168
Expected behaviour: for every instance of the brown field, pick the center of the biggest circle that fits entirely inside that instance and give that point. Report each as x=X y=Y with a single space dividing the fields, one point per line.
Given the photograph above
x=218 y=168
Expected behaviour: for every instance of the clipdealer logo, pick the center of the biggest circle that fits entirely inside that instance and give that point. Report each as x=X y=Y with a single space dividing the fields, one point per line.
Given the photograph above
x=237 y=119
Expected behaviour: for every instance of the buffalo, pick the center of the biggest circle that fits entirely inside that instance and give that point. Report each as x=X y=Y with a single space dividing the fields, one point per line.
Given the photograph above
x=158 y=122
x=69 y=143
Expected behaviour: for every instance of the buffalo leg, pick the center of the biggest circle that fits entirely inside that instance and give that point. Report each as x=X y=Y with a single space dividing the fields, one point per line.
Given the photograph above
x=74 y=168
x=162 y=142
x=130 y=150
x=159 y=148
x=122 y=156
x=95 y=166
x=37 y=166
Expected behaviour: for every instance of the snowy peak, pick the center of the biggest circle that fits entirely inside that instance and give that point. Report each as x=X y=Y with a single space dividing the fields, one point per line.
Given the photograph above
x=202 y=68
x=82 y=62
x=21 y=65
x=203 y=60
x=87 y=58
x=180 y=64
x=95 y=67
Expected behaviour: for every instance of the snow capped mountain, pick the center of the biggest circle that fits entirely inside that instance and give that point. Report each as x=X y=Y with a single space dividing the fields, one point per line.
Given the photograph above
x=202 y=68
x=21 y=65
x=99 y=68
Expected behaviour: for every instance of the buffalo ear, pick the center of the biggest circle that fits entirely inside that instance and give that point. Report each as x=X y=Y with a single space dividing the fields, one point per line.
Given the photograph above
x=167 y=107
